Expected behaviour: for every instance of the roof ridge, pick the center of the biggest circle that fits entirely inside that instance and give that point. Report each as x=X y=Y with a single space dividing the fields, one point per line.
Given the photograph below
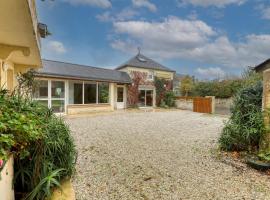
x=81 y=65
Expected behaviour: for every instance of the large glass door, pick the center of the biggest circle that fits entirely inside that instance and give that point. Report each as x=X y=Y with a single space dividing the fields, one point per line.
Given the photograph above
x=145 y=98
x=51 y=93
x=58 y=96
x=120 y=104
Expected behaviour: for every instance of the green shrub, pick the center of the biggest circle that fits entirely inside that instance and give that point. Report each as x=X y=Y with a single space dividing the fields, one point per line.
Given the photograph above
x=226 y=88
x=244 y=129
x=53 y=154
x=44 y=151
x=169 y=99
x=20 y=124
x=163 y=87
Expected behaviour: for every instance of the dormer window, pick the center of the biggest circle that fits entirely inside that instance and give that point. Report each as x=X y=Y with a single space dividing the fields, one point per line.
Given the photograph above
x=150 y=76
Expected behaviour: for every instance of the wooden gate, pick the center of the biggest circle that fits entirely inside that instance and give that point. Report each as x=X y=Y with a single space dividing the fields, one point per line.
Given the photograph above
x=202 y=104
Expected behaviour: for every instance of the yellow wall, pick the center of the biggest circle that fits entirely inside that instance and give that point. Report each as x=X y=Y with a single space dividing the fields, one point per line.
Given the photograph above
x=19 y=40
x=157 y=73
x=6 y=184
x=8 y=73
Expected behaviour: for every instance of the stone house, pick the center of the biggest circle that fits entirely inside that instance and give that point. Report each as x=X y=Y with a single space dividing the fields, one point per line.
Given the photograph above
x=148 y=69
x=74 y=89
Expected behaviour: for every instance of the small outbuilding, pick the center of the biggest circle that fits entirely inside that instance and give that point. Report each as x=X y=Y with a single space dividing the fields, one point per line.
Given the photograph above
x=74 y=89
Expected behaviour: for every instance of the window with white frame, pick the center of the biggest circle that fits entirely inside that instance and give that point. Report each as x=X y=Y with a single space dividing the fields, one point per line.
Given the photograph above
x=150 y=76
x=88 y=92
x=58 y=96
x=51 y=93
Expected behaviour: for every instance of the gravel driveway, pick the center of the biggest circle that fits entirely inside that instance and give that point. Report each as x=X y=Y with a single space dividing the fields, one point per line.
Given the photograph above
x=157 y=155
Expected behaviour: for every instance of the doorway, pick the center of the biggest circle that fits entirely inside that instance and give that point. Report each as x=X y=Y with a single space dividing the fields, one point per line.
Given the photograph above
x=146 y=98
x=120 y=104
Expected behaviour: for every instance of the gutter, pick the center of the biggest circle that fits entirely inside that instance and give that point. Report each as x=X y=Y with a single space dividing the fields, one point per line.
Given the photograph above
x=80 y=78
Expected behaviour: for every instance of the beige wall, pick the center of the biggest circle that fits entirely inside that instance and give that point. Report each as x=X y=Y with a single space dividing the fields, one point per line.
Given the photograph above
x=8 y=73
x=19 y=40
x=88 y=109
x=265 y=143
x=157 y=73
x=6 y=181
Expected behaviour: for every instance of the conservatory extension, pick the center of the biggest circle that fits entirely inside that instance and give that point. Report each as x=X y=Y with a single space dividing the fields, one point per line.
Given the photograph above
x=73 y=89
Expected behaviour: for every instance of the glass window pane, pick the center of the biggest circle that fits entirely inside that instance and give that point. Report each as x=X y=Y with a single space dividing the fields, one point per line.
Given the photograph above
x=58 y=89
x=41 y=89
x=58 y=106
x=149 y=98
x=141 y=98
x=120 y=94
x=103 y=93
x=43 y=102
x=75 y=93
x=90 y=93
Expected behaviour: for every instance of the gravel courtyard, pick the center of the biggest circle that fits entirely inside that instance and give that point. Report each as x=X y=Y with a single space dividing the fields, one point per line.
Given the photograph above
x=157 y=155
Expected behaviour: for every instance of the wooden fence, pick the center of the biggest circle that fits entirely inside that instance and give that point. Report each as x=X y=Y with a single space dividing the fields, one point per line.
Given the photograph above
x=198 y=104
x=202 y=104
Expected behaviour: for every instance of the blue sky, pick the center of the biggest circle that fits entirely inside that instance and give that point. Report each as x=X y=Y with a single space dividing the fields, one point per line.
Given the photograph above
x=205 y=38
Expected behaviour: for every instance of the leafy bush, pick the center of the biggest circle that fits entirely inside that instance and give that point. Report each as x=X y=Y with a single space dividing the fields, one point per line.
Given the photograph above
x=244 y=129
x=219 y=89
x=53 y=155
x=169 y=98
x=21 y=124
x=162 y=87
x=44 y=151
x=226 y=88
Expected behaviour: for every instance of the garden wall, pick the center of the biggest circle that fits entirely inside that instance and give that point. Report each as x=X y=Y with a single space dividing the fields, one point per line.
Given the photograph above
x=223 y=105
x=184 y=103
x=6 y=181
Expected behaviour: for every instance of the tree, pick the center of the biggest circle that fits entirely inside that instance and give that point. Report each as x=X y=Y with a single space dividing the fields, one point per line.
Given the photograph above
x=187 y=84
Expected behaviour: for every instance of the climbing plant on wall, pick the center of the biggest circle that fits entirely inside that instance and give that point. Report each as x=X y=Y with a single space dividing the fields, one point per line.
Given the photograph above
x=133 y=89
x=162 y=86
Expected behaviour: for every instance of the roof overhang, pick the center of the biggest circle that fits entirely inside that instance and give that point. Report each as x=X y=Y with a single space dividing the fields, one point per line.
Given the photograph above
x=263 y=66
x=19 y=36
x=58 y=76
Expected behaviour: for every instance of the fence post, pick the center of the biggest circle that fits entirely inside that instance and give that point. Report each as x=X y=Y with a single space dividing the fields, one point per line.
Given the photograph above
x=213 y=104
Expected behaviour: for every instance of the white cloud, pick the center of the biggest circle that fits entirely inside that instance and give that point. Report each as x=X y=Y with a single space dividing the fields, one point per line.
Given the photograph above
x=194 y=40
x=266 y=13
x=206 y=3
x=145 y=3
x=96 y=3
x=125 y=14
x=172 y=32
x=55 y=47
x=211 y=72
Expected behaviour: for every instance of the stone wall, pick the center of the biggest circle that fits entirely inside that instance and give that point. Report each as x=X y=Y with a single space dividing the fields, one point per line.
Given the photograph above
x=184 y=104
x=224 y=103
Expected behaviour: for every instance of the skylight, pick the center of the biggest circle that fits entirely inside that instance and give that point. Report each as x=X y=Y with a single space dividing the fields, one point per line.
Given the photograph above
x=141 y=59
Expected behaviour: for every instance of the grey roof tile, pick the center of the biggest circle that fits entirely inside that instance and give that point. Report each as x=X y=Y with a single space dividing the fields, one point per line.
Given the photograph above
x=83 y=72
x=142 y=61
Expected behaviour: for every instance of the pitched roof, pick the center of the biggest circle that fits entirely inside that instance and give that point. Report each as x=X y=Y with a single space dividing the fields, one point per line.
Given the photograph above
x=82 y=72
x=142 y=61
x=261 y=67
